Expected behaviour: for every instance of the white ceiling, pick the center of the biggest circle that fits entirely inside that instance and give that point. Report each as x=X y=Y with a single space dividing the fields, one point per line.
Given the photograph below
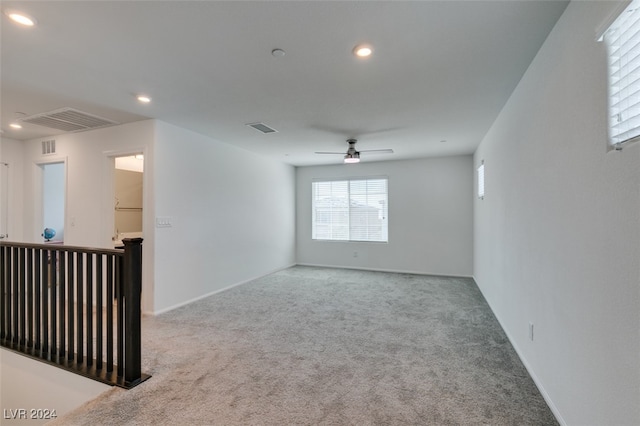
x=441 y=70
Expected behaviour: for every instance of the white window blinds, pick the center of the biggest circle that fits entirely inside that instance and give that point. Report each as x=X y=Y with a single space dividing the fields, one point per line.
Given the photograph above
x=623 y=44
x=350 y=210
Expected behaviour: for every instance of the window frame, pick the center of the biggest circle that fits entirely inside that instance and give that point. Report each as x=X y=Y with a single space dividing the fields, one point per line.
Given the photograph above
x=624 y=13
x=480 y=180
x=350 y=229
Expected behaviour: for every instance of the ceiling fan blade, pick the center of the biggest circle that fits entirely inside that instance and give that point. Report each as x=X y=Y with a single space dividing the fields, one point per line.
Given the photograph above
x=379 y=151
x=338 y=153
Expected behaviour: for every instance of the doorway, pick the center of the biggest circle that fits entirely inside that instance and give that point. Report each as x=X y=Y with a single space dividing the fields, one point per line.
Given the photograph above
x=53 y=202
x=128 y=189
x=4 y=200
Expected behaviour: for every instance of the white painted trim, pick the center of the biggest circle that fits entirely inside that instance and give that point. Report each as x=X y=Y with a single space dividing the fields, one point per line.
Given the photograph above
x=397 y=271
x=195 y=299
x=51 y=160
x=125 y=152
x=604 y=26
x=526 y=364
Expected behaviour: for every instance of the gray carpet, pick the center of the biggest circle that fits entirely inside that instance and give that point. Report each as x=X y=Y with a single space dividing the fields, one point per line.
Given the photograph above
x=326 y=346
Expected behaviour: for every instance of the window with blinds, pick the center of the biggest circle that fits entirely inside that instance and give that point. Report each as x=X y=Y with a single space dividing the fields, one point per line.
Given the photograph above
x=350 y=210
x=623 y=44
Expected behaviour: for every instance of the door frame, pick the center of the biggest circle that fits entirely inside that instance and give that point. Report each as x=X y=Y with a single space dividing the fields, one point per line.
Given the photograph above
x=108 y=218
x=4 y=216
x=38 y=204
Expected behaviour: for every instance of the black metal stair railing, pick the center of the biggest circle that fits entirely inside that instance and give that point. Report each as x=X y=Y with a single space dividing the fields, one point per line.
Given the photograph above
x=76 y=308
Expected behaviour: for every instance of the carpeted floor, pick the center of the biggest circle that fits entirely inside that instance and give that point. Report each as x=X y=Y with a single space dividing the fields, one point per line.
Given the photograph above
x=309 y=346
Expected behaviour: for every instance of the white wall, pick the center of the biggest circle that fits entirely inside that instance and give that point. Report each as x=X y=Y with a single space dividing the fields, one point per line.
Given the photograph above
x=29 y=384
x=430 y=218
x=557 y=237
x=89 y=203
x=232 y=215
x=87 y=156
x=11 y=153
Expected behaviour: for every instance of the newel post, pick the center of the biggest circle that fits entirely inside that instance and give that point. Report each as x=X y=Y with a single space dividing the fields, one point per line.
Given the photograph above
x=132 y=288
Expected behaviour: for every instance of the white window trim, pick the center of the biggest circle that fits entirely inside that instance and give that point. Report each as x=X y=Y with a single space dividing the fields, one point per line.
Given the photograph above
x=606 y=29
x=604 y=26
x=349 y=180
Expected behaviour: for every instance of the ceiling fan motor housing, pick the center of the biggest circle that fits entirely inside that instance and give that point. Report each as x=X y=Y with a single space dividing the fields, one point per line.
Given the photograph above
x=352 y=147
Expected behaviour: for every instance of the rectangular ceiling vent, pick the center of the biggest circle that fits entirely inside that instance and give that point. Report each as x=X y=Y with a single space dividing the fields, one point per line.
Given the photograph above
x=68 y=120
x=261 y=127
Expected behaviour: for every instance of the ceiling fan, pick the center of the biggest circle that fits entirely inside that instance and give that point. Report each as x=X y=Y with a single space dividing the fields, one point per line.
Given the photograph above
x=353 y=156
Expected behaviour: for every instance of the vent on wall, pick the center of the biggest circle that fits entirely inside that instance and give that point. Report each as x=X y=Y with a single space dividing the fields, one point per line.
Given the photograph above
x=49 y=147
x=68 y=120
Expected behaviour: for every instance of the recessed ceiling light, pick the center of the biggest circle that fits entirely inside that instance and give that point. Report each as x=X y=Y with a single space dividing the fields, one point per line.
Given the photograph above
x=20 y=18
x=144 y=99
x=363 y=50
x=15 y=126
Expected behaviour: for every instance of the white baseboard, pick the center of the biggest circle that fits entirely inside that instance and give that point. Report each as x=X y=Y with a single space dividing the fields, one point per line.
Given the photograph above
x=397 y=271
x=526 y=364
x=171 y=308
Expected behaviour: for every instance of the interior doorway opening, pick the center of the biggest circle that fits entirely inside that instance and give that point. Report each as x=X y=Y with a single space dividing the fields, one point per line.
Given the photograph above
x=128 y=188
x=4 y=200
x=53 y=202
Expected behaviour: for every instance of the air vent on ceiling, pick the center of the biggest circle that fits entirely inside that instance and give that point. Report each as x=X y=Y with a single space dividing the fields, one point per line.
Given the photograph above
x=261 y=127
x=49 y=147
x=69 y=120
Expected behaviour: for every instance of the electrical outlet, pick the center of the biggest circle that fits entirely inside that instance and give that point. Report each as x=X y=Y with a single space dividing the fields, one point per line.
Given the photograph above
x=355 y=254
x=531 y=331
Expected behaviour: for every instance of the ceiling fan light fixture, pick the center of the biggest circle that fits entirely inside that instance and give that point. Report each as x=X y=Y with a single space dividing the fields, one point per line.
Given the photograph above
x=352 y=158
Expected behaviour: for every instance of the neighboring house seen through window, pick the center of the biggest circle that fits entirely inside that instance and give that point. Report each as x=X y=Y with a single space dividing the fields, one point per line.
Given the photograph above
x=350 y=210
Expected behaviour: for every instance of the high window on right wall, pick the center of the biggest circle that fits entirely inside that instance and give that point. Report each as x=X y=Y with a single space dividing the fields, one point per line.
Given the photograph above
x=481 y=180
x=622 y=38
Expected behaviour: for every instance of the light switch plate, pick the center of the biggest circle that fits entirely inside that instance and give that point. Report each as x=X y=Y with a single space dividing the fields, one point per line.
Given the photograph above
x=164 y=222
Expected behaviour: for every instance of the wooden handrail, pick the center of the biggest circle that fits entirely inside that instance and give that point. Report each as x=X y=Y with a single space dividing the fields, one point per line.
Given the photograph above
x=63 y=247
